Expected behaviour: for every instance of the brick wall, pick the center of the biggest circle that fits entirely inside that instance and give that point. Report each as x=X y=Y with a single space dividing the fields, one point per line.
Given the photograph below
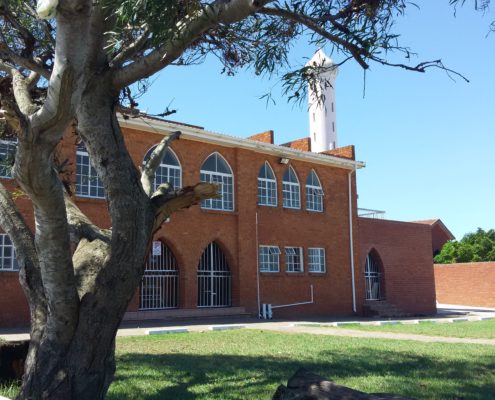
x=343 y=152
x=405 y=251
x=470 y=284
x=265 y=137
x=303 y=144
x=14 y=310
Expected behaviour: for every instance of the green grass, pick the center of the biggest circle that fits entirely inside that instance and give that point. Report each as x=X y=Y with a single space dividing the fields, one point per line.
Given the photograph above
x=465 y=329
x=250 y=365
x=9 y=390
x=246 y=364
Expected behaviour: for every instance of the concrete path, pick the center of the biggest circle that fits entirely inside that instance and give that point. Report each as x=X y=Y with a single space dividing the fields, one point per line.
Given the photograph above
x=446 y=314
x=297 y=328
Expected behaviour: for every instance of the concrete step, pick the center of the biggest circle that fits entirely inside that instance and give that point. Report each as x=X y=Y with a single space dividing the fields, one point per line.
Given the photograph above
x=181 y=313
x=382 y=309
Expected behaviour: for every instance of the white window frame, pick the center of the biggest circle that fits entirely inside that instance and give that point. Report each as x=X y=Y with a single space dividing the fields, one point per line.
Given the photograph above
x=265 y=185
x=9 y=263
x=291 y=192
x=314 y=195
x=5 y=151
x=168 y=167
x=222 y=179
x=269 y=258
x=291 y=254
x=92 y=177
x=316 y=260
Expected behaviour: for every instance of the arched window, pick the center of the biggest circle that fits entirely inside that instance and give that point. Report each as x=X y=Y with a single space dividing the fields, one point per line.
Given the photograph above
x=214 y=279
x=159 y=286
x=88 y=184
x=7 y=157
x=8 y=260
x=291 y=190
x=267 y=186
x=314 y=193
x=169 y=170
x=216 y=170
x=373 y=277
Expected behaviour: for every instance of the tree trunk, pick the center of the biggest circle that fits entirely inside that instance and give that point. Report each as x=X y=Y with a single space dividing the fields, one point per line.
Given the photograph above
x=107 y=269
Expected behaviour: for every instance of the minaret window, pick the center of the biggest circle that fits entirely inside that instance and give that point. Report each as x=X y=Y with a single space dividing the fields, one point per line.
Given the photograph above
x=314 y=193
x=290 y=189
x=267 y=186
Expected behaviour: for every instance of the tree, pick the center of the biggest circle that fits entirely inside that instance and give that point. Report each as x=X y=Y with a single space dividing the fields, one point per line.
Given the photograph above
x=78 y=65
x=473 y=247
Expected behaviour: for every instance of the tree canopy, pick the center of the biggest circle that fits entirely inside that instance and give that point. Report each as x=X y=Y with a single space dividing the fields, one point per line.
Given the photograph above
x=473 y=247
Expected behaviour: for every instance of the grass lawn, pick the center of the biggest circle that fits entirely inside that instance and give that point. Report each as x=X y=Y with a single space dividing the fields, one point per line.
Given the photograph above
x=246 y=364
x=465 y=329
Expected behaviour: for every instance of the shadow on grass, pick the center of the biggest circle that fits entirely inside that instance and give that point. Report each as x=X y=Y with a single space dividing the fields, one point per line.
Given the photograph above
x=179 y=376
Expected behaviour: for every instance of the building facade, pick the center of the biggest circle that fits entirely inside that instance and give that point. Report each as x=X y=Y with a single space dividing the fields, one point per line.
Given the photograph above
x=284 y=232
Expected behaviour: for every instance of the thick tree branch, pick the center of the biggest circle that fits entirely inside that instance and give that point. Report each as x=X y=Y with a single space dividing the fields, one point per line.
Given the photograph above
x=151 y=165
x=21 y=236
x=56 y=111
x=188 y=30
x=6 y=54
x=81 y=227
x=20 y=85
x=168 y=201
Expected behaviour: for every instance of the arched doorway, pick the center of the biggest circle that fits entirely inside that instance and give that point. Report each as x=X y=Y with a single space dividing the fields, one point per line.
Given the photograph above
x=160 y=283
x=373 y=276
x=214 y=278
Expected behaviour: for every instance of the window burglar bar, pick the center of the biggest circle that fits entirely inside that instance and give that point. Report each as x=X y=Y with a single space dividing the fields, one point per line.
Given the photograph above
x=373 y=279
x=160 y=283
x=214 y=278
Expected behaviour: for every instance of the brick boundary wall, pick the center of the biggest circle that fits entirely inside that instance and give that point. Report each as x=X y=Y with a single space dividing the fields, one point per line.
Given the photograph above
x=469 y=284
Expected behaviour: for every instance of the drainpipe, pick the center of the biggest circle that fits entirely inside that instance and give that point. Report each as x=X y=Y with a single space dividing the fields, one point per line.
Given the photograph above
x=257 y=267
x=351 y=241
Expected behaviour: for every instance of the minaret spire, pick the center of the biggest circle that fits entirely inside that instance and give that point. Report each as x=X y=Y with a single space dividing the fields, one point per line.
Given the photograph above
x=322 y=116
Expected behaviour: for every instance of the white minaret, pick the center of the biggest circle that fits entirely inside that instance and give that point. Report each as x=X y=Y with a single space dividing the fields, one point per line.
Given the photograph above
x=322 y=116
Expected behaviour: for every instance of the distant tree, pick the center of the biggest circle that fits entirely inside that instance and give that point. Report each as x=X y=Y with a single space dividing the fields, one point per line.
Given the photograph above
x=473 y=247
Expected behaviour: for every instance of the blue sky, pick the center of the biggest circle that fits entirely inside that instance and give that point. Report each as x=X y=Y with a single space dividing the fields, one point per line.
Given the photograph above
x=428 y=141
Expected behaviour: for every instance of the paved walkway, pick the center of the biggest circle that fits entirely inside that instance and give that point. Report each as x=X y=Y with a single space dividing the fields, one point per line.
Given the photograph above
x=291 y=328
x=446 y=313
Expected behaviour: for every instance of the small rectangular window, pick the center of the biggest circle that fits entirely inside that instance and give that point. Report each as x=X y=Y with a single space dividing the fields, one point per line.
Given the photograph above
x=8 y=260
x=88 y=183
x=316 y=259
x=7 y=157
x=293 y=259
x=269 y=258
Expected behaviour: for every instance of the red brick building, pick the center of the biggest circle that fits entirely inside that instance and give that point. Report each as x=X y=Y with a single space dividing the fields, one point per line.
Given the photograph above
x=285 y=231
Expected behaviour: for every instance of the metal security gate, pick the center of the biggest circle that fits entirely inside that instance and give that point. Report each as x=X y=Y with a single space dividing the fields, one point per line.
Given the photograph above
x=373 y=278
x=214 y=279
x=160 y=283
